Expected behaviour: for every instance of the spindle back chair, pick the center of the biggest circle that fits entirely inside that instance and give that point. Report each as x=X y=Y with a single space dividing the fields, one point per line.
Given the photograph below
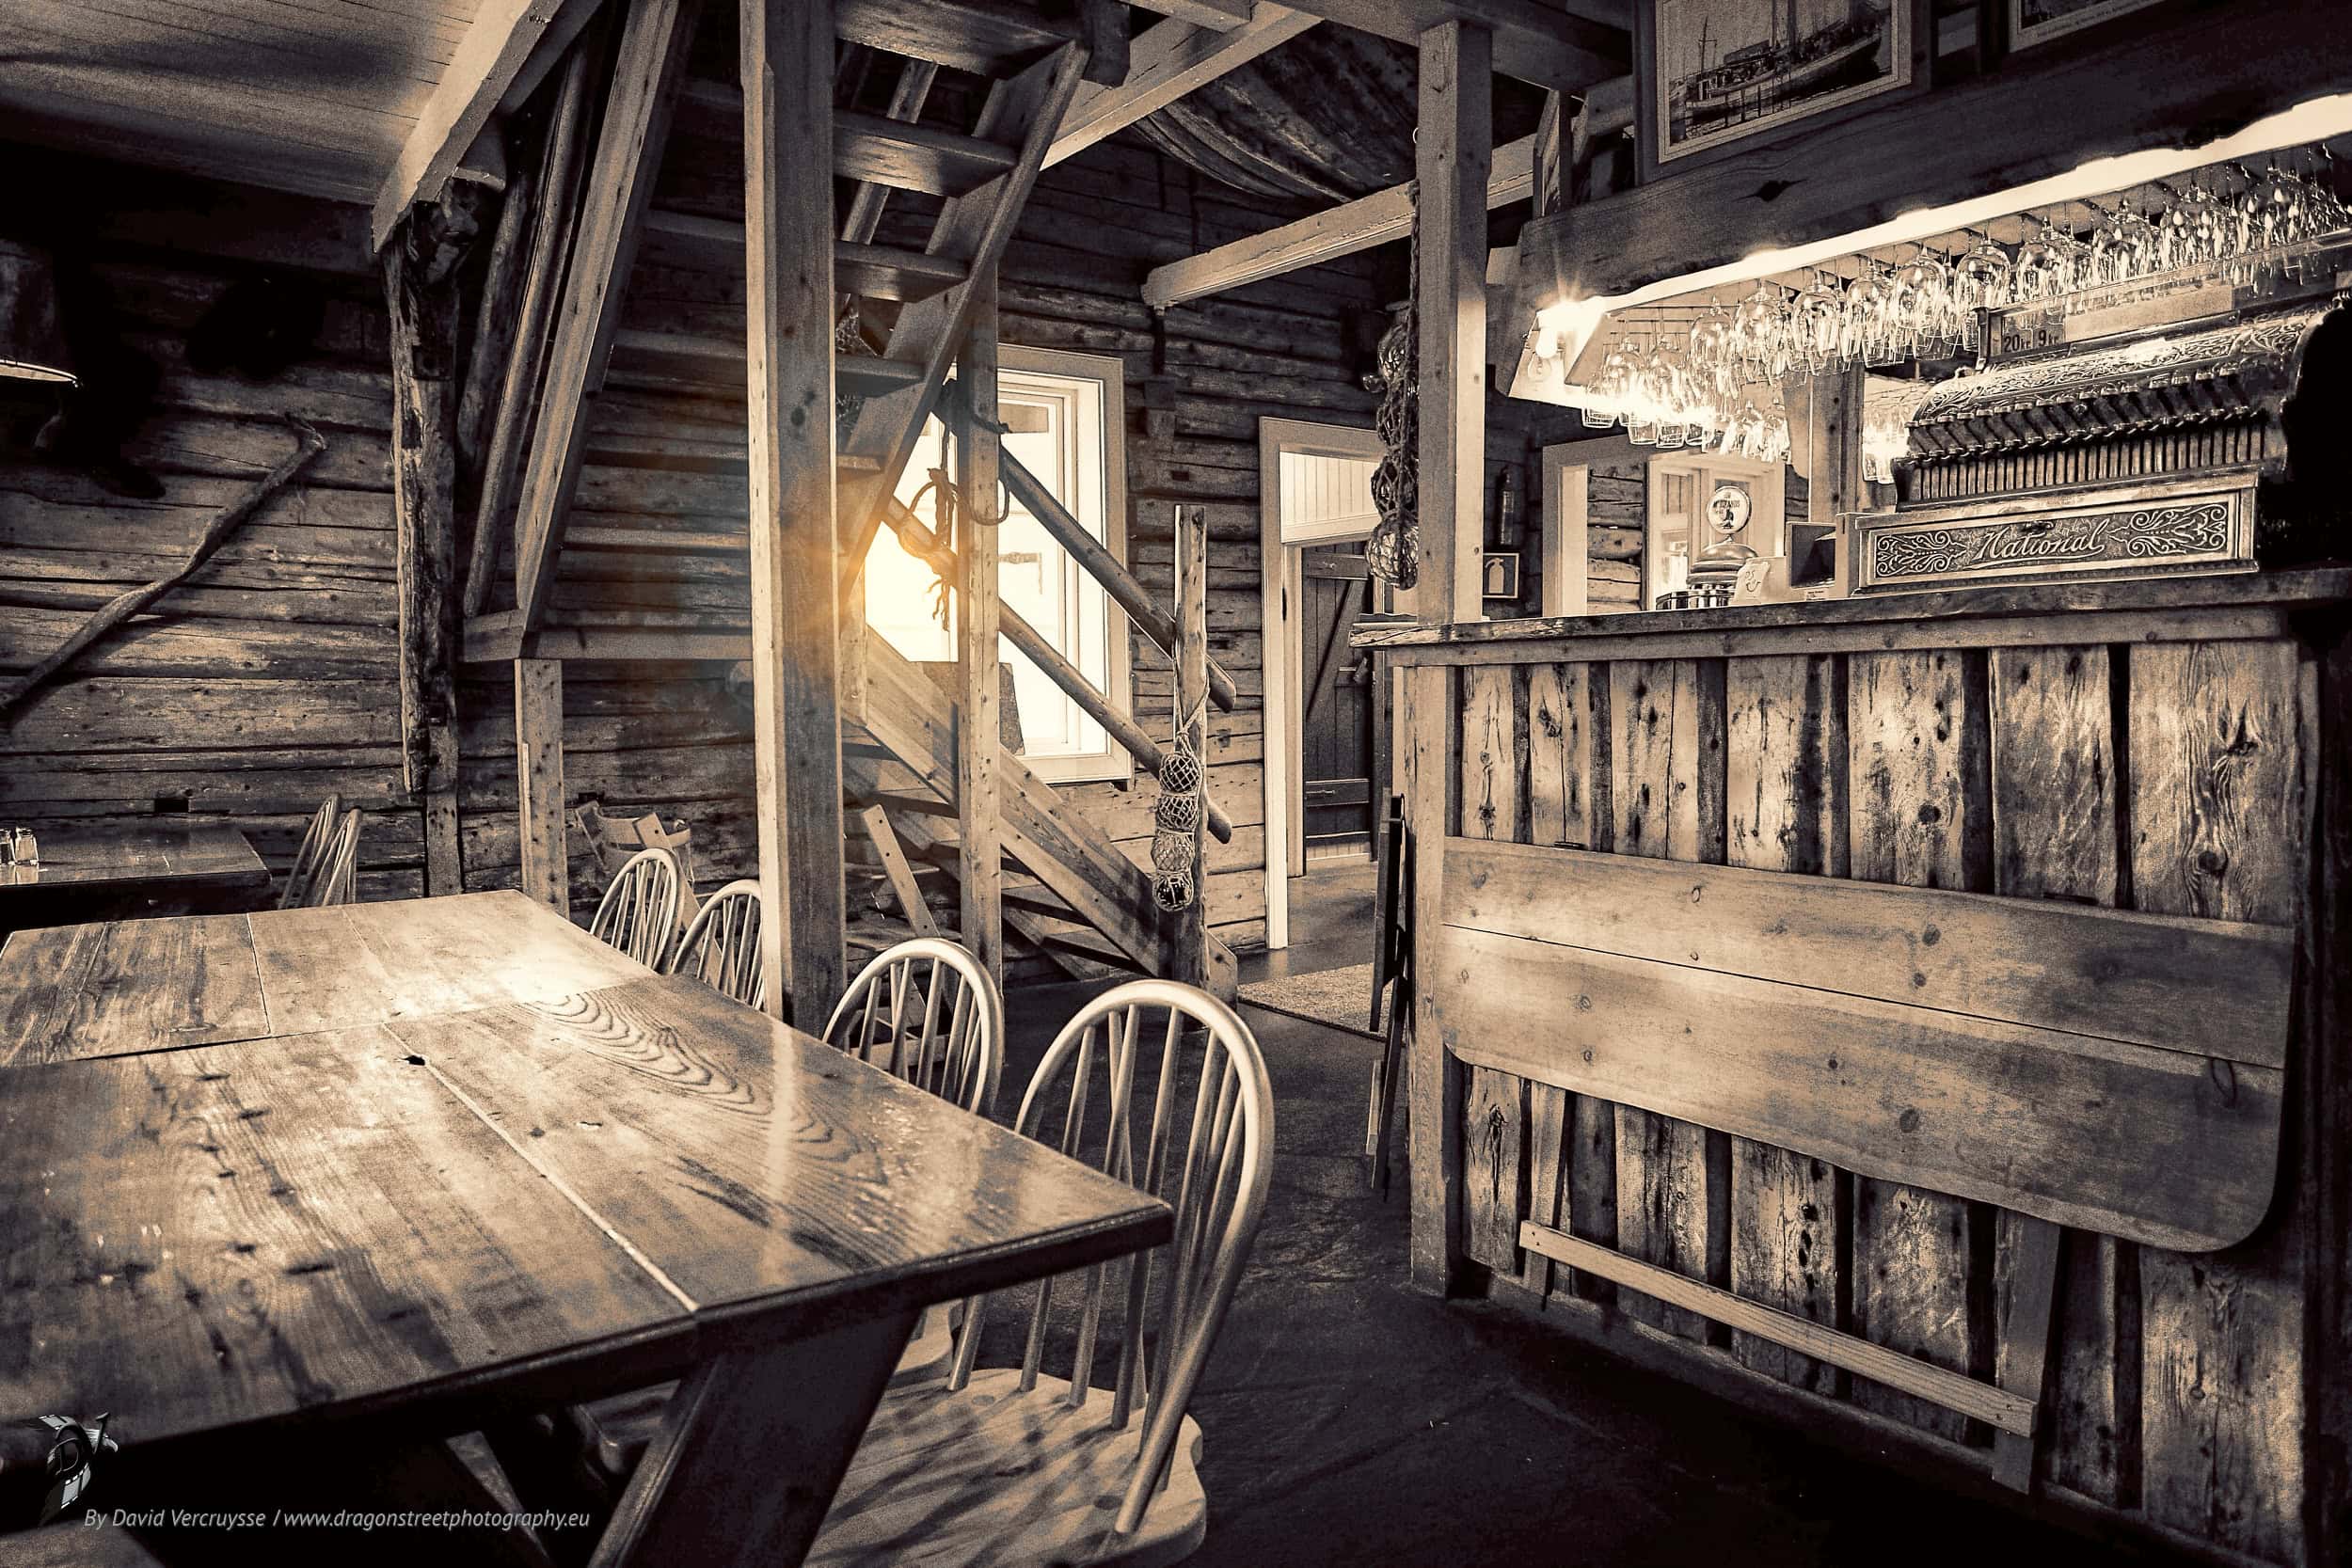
x=1005 y=1465
x=338 y=880
x=893 y=1016
x=640 y=910
x=303 y=875
x=721 y=946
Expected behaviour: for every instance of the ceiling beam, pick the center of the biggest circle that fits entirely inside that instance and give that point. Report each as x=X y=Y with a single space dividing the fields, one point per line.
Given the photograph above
x=1167 y=61
x=1217 y=14
x=1360 y=225
x=1567 y=50
x=497 y=49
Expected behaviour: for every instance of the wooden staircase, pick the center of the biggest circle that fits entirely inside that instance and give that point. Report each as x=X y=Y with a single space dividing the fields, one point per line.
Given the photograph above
x=1067 y=890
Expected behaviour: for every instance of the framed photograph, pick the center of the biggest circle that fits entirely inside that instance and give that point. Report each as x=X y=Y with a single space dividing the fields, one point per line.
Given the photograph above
x=1712 y=74
x=2032 y=21
x=1499 y=579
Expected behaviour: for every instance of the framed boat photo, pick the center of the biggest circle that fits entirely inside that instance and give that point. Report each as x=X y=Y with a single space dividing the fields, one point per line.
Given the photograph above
x=1713 y=73
x=2032 y=21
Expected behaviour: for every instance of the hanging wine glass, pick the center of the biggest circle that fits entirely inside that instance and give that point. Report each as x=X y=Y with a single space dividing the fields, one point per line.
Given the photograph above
x=1924 y=306
x=1980 y=284
x=1758 y=330
x=1816 y=325
x=1605 y=407
x=2125 y=247
x=2045 y=268
x=1868 y=335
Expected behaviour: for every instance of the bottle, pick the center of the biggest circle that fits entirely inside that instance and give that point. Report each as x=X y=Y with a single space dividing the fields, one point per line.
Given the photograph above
x=1507 y=511
x=27 y=848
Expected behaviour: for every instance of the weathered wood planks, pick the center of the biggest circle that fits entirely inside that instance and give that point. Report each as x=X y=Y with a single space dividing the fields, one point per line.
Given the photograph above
x=2095 y=844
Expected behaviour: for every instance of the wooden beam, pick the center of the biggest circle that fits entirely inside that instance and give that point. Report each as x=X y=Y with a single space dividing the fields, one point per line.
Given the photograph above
x=558 y=206
x=2167 y=90
x=1218 y=14
x=786 y=52
x=1355 y=226
x=1565 y=50
x=1169 y=60
x=496 y=49
x=539 y=782
x=648 y=65
x=979 y=870
x=1996 y=1407
x=1453 y=149
x=420 y=291
x=896 y=869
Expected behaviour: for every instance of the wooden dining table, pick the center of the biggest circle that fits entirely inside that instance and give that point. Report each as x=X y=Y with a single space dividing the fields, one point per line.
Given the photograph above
x=146 y=867
x=433 y=1165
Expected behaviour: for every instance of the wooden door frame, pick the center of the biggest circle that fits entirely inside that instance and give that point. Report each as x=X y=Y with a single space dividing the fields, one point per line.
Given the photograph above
x=1278 y=596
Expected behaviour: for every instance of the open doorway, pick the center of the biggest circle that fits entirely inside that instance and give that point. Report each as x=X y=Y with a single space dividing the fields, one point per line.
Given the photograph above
x=1315 y=515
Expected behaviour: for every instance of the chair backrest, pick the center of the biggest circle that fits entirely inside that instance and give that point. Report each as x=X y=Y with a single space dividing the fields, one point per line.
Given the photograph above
x=927 y=1011
x=640 y=910
x=1210 y=1137
x=303 y=875
x=721 y=947
x=338 y=879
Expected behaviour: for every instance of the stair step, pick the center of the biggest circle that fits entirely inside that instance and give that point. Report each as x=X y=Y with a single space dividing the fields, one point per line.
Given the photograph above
x=1039 y=900
x=869 y=271
x=901 y=154
x=661 y=359
x=991 y=38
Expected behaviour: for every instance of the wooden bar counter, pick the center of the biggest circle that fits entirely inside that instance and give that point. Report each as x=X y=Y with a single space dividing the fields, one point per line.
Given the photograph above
x=2032 y=1155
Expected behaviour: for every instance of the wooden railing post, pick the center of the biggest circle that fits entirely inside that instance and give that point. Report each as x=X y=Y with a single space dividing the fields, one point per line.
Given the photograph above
x=979 y=860
x=1190 y=958
x=539 y=782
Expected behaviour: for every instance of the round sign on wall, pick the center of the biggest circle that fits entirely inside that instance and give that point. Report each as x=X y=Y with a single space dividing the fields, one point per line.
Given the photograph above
x=1729 y=509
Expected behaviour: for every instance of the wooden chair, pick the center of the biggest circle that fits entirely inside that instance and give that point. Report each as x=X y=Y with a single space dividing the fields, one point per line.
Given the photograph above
x=338 y=880
x=303 y=873
x=640 y=909
x=1020 y=1465
x=893 y=1014
x=721 y=946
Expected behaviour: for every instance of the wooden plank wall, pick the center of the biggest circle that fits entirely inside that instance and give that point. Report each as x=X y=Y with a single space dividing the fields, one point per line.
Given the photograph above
x=2168 y=777
x=266 y=681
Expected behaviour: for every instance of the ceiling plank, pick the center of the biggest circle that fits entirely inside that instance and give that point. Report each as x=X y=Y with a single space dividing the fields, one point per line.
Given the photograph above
x=1167 y=61
x=502 y=41
x=1567 y=50
x=1360 y=225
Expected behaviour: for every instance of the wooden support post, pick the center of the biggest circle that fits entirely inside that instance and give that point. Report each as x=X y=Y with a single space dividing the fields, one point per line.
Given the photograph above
x=1825 y=412
x=980 y=859
x=421 y=289
x=1433 y=1076
x=539 y=782
x=495 y=315
x=1190 y=938
x=786 y=51
x=2032 y=1288
x=1453 y=153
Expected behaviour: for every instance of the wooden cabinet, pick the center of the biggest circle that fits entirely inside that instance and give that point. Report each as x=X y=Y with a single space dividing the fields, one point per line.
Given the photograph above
x=2006 y=980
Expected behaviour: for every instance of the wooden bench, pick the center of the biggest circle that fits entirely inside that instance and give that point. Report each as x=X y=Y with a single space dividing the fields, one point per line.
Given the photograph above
x=2116 y=1071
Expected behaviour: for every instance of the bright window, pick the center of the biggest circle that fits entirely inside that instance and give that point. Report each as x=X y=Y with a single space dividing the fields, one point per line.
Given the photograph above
x=1065 y=419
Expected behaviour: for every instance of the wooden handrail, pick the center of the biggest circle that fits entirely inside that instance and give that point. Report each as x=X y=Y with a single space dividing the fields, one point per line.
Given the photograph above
x=1108 y=570
x=920 y=542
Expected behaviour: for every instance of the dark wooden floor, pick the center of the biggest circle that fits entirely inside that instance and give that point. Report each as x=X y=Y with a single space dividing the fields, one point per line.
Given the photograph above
x=1351 y=1421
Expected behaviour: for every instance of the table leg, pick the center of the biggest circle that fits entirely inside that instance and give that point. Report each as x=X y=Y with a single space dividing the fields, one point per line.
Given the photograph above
x=751 y=1450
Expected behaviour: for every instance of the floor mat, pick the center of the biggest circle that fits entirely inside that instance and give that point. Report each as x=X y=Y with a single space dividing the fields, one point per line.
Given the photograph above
x=1339 y=997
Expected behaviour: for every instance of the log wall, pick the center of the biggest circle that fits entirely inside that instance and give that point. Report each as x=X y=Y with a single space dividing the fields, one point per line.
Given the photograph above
x=2162 y=764
x=266 y=681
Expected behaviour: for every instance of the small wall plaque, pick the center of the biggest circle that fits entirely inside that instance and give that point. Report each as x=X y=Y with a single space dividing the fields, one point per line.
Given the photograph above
x=2205 y=524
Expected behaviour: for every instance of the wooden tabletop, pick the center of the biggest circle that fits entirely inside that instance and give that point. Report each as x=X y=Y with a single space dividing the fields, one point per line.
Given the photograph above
x=184 y=857
x=128 y=986
x=538 y=1197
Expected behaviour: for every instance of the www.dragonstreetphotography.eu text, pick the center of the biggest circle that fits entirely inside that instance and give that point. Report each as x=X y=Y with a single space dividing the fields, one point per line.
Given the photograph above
x=290 y=1518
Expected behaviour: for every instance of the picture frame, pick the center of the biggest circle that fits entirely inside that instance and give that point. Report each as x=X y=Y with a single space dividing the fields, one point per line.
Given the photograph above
x=2034 y=22
x=1499 y=575
x=1884 y=48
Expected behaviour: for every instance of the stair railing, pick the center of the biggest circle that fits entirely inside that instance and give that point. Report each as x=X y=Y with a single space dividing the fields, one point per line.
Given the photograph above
x=921 y=542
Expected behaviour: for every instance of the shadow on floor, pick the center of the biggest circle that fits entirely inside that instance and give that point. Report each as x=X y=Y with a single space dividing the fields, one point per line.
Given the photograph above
x=1349 y=1420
